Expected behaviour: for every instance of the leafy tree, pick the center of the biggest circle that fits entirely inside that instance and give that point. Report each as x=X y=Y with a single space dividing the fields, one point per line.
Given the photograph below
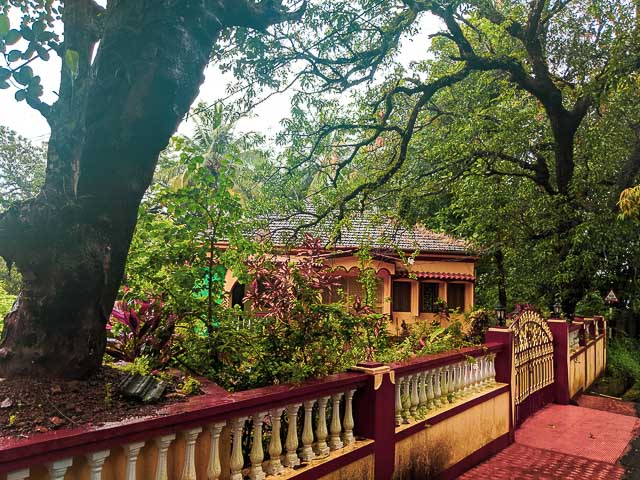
x=21 y=168
x=130 y=71
x=531 y=101
x=176 y=250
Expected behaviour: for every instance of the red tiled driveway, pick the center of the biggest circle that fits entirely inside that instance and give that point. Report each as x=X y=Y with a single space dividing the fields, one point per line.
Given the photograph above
x=563 y=442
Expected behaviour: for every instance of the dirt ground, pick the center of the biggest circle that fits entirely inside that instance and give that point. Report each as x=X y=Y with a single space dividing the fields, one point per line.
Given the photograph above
x=30 y=406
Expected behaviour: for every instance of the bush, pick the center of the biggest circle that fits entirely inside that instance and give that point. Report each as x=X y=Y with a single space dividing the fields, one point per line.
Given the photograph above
x=426 y=338
x=141 y=329
x=591 y=304
x=479 y=321
x=623 y=358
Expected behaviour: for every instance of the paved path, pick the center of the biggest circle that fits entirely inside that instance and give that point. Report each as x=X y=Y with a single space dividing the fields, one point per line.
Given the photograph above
x=565 y=442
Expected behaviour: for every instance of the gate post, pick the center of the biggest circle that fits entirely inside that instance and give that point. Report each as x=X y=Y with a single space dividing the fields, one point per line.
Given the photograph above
x=375 y=405
x=505 y=368
x=560 y=330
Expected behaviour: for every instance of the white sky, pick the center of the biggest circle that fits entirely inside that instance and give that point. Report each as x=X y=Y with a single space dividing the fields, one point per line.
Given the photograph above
x=266 y=118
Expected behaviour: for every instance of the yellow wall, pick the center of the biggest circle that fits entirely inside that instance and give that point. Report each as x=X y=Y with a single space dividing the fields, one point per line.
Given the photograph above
x=600 y=355
x=576 y=374
x=362 y=469
x=446 y=443
x=591 y=364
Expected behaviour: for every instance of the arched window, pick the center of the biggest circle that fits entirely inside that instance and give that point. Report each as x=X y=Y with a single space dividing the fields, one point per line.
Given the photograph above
x=237 y=295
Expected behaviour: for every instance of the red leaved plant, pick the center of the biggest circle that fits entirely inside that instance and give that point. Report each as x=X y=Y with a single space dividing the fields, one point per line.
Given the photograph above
x=141 y=327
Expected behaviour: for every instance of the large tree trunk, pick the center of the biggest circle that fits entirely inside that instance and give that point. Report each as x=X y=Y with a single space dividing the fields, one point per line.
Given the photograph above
x=71 y=242
x=498 y=257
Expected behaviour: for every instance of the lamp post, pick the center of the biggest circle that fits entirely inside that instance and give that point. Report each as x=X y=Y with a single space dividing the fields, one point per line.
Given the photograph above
x=500 y=315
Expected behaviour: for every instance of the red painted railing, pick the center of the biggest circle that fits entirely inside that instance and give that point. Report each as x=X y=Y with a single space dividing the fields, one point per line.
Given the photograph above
x=369 y=423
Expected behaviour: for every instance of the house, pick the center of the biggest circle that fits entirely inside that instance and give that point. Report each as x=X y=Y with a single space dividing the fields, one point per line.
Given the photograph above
x=417 y=268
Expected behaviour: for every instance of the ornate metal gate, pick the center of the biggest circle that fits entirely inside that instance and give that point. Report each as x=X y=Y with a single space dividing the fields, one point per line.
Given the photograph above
x=533 y=363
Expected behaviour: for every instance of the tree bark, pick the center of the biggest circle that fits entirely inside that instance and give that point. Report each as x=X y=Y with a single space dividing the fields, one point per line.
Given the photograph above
x=498 y=256
x=113 y=118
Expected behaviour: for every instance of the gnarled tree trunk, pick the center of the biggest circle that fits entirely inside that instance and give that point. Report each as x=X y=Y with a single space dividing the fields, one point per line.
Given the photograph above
x=111 y=121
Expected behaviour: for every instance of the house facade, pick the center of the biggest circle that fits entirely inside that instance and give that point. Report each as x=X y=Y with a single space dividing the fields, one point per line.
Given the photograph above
x=417 y=269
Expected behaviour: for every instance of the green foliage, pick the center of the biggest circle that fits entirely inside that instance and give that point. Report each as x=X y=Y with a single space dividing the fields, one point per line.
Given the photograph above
x=6 y=302
x=304 y=337
x=141 y=330
x=591 y=304
x=483 y=160
x=479 y=322
x=623 y=358
x=141 y=365
x=629 y=202
x=22 y=167
x=34 y=37
x=189 y=386
x=426 y=338
x=193 y=207
x=108 y=395
x=191 y=230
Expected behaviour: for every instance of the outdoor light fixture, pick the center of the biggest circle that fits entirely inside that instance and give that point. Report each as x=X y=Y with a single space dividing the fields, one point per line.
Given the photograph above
x=500 y=315
x=557 y=309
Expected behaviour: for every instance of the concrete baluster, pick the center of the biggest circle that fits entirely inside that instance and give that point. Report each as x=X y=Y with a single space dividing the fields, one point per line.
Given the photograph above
x=406 y=399
x=493 y=369
x=291 y=458
x=214 y=467
x=22 y=474
x=131 y=451
x=422 y=389
x=322 y=449
x=275 y=444
x=415 y=398
x=437 y=387
x=96 y=462
x=348 y=422
x=398 y=401
x=444 y=385
x=58 y=469
x=335 y=429
x=307 y=453
x=189 y=466
x=257 y=453
x=430 y=393
x=162 y=444
x=236 y=462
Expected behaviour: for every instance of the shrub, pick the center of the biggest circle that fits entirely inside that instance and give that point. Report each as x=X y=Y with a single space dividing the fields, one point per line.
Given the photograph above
x=141 y=328
x=189 y=386
x=425 y=338
x=479 y=323
x=301 y=336
x=623 y=358
x=591 y=304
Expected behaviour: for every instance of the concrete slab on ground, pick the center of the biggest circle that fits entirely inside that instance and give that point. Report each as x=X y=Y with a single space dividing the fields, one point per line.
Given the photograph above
x=564 y=442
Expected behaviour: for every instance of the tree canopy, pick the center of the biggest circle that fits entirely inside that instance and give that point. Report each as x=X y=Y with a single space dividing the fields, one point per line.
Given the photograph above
x=521 y=112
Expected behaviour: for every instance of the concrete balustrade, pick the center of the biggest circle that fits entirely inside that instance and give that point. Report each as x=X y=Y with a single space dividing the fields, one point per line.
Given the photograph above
x=318 y=441
x=341 y=425
x=433 y=388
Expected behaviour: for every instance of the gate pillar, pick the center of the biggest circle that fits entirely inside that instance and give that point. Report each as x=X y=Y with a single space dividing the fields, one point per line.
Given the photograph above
x=560 y=330
x=505 y=368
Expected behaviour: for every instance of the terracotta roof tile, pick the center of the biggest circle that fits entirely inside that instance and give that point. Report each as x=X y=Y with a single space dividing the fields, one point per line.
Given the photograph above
x=377 y=233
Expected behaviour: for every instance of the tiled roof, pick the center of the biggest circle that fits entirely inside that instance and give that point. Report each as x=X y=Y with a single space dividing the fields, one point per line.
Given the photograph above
x=358 y=231
x=443 y=276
